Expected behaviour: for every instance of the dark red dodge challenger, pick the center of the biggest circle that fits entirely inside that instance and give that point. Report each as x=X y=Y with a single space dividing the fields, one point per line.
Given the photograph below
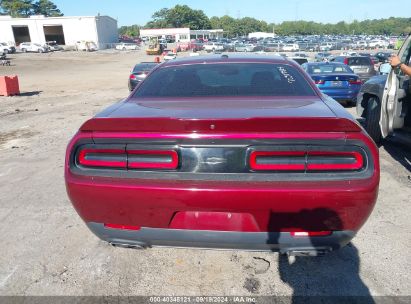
x=240 y=152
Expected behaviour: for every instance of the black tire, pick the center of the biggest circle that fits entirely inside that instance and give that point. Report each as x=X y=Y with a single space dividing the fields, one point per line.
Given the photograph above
x=372 y=115
x=24 y=50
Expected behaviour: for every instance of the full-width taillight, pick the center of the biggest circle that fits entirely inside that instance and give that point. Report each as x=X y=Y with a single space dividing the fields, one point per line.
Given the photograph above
x=113 y=158
x=127 y=158
x=306 y=161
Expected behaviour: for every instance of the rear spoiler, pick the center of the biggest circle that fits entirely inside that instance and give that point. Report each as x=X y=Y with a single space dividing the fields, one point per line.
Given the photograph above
x=167 y=125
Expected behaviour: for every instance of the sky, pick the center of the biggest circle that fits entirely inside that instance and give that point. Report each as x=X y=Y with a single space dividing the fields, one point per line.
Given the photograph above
x=129 y=12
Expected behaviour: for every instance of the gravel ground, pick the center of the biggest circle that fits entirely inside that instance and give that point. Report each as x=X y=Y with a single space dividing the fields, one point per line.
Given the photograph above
x=47 y=250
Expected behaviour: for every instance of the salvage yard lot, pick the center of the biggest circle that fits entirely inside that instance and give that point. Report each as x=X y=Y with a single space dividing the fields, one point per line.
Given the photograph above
x=47 y=250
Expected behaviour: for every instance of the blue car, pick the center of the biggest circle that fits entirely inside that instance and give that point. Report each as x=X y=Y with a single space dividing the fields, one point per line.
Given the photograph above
x=336 y=80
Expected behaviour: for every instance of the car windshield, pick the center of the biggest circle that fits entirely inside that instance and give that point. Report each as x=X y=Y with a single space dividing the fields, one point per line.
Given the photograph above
x=236 y=79
x=328 y=68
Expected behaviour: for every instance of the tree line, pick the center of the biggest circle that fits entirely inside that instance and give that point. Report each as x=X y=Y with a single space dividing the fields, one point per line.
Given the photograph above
x=26 y=8
x=184 y=16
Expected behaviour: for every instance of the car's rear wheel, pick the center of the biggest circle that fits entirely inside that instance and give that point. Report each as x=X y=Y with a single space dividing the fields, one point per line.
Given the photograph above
x=24 y=50
x=372 y=119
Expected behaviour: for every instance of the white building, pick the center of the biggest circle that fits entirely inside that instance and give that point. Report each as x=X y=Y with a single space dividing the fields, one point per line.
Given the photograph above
x=259 y=35
x=182 y=34
x=102 y=30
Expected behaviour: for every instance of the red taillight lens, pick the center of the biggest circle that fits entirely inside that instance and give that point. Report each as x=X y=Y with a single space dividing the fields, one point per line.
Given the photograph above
x=152 y=159
x=355 y=81
x=346 y=61
x=334 y=161
x=278 y=160
x=130 y=158
x=320 y=81
x=306 y=161
x=310 y=233
x=113 y=158
x=122 y=227
x=132 y=76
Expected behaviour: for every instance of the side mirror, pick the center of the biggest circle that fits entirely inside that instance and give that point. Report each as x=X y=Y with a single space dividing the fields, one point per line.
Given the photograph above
x=385 y=68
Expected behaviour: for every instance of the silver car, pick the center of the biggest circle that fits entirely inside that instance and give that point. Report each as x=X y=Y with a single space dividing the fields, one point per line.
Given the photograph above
x=363 y=66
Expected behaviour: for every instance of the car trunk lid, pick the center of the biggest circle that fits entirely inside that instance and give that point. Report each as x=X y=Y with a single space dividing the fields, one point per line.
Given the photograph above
x=217 y=115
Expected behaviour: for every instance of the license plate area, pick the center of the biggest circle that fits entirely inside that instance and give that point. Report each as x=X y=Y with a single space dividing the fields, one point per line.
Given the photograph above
x=336 y=83
x=214 y=221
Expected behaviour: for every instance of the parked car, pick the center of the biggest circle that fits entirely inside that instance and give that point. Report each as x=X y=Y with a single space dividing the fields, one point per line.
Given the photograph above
x=213 y=47
x=53 y=46
x=299 y=60
x=363 y=66
x=196 y=45
x=293 y=47
x=326 y=47
x=127 y=46
x=322 y=57
x=32 y=47
x=302 y=55
x=383 y=56
x=375 y=44
x=245 y=153
x=244 y=47
x=169 y=56
x=86 y=46
x=385 y=101
x=6 y=48
x=139 y=73
x=336 y=80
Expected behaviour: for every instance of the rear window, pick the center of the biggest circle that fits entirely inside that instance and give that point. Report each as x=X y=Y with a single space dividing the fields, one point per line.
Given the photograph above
x=237 y=79
x=144 y=67
x=328 y=68
x=359 y=61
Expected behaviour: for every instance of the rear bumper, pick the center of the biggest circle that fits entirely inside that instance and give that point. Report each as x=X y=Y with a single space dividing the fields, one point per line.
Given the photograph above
x=281 y=242
x=341 y=95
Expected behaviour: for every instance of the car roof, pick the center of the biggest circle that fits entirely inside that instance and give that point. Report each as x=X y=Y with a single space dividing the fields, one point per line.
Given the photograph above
x=227 y=58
